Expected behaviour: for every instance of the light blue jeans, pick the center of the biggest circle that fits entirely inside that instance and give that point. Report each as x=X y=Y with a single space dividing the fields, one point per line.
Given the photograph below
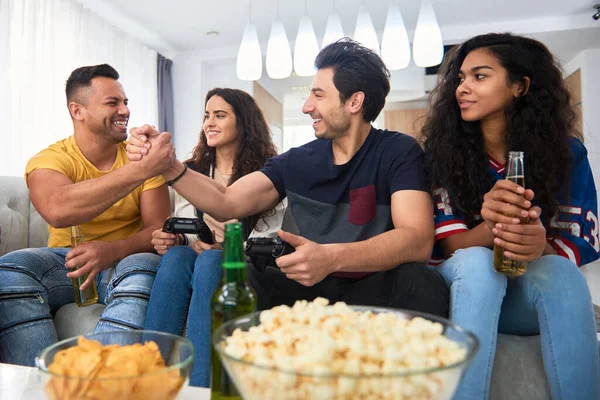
x=34 y=285
x=181 y=297
x=551 y=299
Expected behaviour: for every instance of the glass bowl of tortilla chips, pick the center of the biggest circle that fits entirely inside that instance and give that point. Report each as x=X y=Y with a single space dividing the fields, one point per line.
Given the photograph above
x=143 y=365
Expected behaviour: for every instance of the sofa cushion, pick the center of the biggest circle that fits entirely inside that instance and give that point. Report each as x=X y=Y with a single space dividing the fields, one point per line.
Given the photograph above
x=518 y=369
x=38 y=229
x=71 y=320
x=14 y=214
x=22 y=226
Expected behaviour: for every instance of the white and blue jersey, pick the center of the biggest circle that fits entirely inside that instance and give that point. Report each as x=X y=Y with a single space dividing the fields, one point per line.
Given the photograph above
x=573 y=231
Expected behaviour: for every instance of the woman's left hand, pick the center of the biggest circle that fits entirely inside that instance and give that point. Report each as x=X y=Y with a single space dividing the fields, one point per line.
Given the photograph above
x=200 y=246
x=522 y=242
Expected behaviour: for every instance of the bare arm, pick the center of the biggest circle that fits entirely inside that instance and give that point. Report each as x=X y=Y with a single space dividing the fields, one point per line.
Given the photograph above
x=411 y=240
x=155 y=208
x=63 y=203
x=251 y=194
x=481 y=235
x=503 y=200
x=98 y=255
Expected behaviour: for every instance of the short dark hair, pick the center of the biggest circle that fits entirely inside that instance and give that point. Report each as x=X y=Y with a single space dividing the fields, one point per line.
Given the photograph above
x=82 y=77
x=357 y=69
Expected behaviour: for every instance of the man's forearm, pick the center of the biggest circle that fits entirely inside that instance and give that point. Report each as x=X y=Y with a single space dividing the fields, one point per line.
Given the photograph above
x=384 y=251
x=81 y=202
x=203 y=192
x=137 y=243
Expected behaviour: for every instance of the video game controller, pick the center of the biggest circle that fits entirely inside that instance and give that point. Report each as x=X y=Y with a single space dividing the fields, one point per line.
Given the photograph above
x=189 y=225
x=263 y=251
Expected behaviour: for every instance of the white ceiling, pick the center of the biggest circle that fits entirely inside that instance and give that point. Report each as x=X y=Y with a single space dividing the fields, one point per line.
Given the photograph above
x=183 y=24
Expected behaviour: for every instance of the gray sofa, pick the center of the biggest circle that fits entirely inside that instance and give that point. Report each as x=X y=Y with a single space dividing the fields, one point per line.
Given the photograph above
x=518 y=370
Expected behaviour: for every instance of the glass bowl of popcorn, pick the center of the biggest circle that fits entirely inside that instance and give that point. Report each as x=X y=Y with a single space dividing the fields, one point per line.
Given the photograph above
x=318 y=351
x=142 y=365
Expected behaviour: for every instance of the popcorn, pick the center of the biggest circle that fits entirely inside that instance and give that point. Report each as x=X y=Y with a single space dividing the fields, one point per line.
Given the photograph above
x=316 y=351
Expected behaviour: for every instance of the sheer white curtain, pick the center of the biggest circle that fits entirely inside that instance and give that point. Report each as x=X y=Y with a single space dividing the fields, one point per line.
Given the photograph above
x=47 y=39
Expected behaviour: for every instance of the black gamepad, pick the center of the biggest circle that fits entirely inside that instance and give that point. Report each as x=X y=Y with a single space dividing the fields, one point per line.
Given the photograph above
x=189 y=225
x=263 y=251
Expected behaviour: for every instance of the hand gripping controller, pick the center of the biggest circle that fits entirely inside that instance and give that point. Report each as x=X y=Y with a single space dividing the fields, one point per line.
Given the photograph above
x=189 y=225
x=263 y=251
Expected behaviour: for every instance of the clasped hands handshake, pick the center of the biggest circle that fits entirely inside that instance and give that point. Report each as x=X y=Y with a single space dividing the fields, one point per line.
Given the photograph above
x=501 y=209
x=161 y=159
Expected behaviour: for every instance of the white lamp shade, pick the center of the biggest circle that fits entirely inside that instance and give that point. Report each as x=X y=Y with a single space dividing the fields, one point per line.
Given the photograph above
x=395 y=48
x=365 y=32
x=428 y=47
x=333 y=30
x=306 y=48
x=279 y=55
x=249 y=59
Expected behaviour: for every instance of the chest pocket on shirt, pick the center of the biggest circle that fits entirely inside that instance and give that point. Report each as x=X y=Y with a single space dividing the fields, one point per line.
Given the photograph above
x=362 y=205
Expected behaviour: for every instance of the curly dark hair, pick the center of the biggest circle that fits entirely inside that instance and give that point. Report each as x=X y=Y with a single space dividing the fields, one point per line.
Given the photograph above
x=538 y=123
x=357 y=69
x=255 y=147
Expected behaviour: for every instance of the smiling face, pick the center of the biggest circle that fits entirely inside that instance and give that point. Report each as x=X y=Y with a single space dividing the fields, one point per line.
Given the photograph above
x=220 y=123
x=484 y=92
x=331 y=118
x=105 y=112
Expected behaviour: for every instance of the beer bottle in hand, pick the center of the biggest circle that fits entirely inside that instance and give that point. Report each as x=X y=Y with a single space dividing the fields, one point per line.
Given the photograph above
x=88 y=296
x=232 y=299
x=515 y=172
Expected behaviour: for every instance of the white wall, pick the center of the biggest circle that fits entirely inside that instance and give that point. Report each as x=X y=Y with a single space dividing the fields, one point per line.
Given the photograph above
x=4 y=87
x=188 y=101
x=589 y=63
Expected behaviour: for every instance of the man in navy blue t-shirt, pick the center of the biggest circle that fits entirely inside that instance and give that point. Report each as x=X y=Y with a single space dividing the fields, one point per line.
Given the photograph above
x=359 y=208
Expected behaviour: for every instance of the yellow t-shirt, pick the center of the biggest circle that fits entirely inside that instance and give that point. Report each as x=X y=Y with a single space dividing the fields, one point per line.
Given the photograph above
x=120 y=221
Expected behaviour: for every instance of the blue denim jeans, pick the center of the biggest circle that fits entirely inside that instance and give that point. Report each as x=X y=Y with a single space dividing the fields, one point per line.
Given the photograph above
x=551 y=299
x=181 y=295
x=34 y=285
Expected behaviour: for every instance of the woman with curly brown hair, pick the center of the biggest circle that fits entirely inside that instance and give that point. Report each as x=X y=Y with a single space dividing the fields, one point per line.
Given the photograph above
x=498 y=93
x=235 y=141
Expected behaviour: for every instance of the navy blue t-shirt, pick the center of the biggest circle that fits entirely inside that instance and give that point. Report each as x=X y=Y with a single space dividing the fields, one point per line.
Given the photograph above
x=331 y=203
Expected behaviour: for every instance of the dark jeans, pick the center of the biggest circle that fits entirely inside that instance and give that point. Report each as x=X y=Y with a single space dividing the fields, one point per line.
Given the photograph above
x=412 y=286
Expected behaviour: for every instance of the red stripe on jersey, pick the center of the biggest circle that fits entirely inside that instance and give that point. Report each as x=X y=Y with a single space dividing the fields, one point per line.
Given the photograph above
x=497 y=165
x=449 y=228
x=448 y=234
x=436 y=262
x=567 y=249
x=449 y=222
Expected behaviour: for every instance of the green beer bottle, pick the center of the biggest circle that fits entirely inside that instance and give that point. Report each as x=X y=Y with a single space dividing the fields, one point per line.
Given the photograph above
x=232 y=299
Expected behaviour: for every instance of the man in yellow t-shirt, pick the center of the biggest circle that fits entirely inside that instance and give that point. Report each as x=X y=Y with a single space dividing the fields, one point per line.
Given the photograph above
x=87 y=180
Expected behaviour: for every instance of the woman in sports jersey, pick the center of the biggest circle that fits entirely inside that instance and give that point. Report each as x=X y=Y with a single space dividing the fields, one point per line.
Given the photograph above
x=498 y=93
x=235 y=141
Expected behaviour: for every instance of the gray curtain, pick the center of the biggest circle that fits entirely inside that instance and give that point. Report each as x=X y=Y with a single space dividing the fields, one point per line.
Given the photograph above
x=165 y=94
